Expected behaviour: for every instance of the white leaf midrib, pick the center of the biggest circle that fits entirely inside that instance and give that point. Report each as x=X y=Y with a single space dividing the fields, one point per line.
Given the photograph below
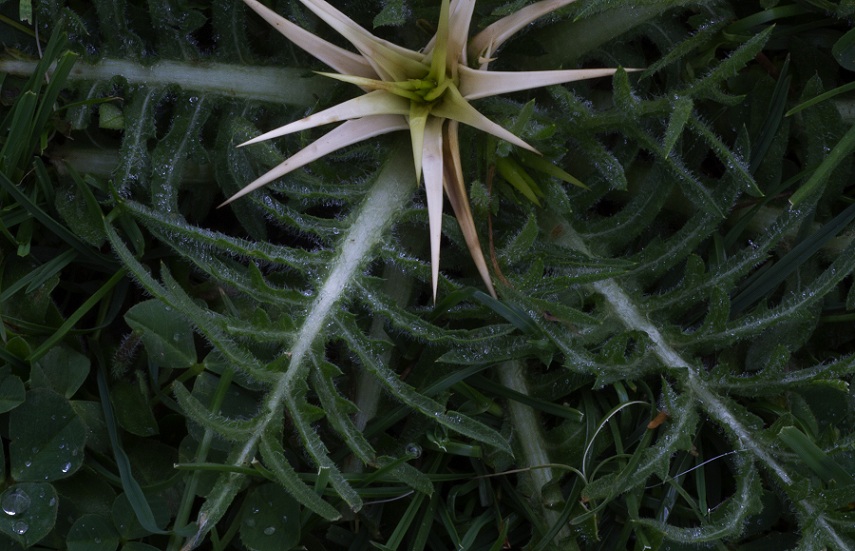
x=388 y=197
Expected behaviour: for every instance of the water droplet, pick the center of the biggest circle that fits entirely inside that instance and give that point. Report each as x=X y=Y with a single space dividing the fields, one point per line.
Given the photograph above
x=249 y=522
x=15 y=502
x=413 y=450
x=20 y=527
x=269 y=531
x=65 y=468
x=28 y=463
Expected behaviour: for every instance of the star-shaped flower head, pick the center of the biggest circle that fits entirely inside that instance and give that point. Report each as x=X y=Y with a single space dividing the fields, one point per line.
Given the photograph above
x=426 y=92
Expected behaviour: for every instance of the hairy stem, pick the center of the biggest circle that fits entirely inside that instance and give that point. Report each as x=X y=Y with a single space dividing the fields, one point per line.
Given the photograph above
x=633 y=317
x=273 y=84
x=386 y=199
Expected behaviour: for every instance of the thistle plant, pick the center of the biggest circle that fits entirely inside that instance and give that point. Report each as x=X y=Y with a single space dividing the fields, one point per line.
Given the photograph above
x=427 y=92
x=667 y=363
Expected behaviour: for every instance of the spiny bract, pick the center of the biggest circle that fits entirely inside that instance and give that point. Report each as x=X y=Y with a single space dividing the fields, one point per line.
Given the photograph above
x=426 y=92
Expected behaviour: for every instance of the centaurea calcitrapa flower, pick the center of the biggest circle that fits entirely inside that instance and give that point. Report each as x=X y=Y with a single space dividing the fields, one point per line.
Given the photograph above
x=427 y=93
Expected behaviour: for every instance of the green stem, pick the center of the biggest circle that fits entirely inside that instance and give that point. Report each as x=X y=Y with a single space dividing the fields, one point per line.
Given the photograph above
x=568 y=41
x=369 y=390
x=189 y=497
x=838 y=155
x=102 y=163
x=273 y=84
x=72 y=320
x=532 y=448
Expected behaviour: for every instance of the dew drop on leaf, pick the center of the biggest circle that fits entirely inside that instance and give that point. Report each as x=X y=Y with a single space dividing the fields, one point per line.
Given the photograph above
x=413 y=450
x=20 y=527
x=269 y=531
x=15 y=502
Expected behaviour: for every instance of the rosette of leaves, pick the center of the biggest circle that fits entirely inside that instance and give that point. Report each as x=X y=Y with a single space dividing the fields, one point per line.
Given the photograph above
x=667 y=362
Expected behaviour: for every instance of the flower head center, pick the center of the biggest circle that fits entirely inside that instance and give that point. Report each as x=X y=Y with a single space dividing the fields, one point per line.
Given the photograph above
x=425 y=90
